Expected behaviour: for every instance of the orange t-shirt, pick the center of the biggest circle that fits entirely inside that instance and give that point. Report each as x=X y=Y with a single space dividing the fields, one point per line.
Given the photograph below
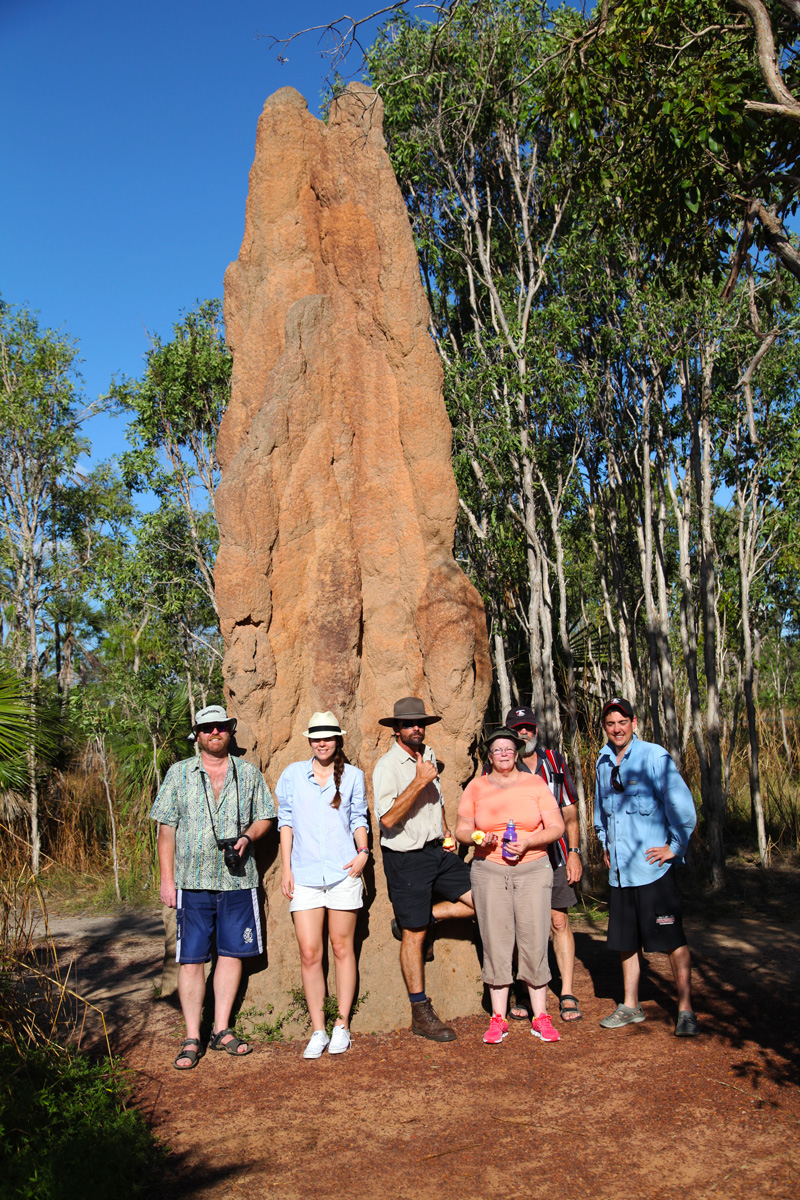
x=529 y=803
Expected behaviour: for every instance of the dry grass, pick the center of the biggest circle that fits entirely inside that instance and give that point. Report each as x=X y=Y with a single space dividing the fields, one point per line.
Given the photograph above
x=38 y=1008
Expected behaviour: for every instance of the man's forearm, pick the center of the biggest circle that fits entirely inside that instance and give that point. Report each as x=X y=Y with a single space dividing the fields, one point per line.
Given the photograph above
x=258 y=829
x=166 y=854
x=571 y=825
x=404 y=803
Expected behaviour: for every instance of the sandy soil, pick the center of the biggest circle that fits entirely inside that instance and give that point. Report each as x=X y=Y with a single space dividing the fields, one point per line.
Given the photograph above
x=623 y=1115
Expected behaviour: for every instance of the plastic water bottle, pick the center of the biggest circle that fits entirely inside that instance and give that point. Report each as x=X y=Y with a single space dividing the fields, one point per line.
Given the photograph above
x=510 y=835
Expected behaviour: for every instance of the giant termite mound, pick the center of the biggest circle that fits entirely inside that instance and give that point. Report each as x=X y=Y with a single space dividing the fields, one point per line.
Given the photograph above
x=335 y=579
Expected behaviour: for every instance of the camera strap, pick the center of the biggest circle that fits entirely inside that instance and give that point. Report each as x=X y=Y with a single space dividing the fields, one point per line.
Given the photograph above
x=238 y=813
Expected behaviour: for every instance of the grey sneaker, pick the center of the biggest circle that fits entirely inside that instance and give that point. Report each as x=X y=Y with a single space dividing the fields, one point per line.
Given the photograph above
x=319 y=1040
x=623 y=1015
x=686 y=1025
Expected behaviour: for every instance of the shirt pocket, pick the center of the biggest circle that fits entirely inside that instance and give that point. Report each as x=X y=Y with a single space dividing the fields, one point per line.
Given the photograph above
x=638 y=799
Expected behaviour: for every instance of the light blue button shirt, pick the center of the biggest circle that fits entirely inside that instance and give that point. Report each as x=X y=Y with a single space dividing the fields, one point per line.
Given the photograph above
x=322 y=836
x=655 y=808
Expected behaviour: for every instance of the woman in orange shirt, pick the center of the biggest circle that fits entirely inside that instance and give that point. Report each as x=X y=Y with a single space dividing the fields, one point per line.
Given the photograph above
x=511 y=892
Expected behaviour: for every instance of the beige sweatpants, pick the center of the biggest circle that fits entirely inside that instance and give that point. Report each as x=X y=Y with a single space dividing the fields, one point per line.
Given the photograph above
x=512 y=904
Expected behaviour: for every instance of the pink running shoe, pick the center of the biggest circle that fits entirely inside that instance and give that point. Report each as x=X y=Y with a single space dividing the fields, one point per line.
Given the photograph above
x=542 y=1027
x=498 y=1029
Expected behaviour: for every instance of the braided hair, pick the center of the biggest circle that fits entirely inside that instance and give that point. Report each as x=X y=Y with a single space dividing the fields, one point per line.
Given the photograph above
x=338 y=770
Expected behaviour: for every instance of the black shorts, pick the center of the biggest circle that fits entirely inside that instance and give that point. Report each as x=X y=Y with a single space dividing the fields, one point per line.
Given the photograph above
x=648 y=916
x=414 y=875
x=563 y=892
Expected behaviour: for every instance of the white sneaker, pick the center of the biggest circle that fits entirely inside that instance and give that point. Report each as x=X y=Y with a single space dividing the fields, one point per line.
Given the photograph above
x=340 y=1040
x=319 y=1040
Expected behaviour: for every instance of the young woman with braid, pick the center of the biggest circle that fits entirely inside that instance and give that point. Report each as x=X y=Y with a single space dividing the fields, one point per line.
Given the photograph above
x=322 y=817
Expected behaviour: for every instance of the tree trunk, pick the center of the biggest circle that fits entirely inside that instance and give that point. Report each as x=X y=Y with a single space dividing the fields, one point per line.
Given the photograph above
x=33 y=788
x=501 y=673
x=747 y=523
x=704 y=489
x=101 y=749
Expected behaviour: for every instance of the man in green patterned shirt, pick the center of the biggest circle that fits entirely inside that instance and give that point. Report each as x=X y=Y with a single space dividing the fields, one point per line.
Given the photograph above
x=210 y=810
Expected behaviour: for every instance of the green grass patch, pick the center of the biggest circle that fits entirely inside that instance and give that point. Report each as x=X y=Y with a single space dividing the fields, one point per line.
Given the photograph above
x=330 y=1007
x=66 y=1129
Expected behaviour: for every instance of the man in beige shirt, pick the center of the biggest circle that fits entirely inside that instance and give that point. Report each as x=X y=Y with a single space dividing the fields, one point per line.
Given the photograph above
x=418 y=853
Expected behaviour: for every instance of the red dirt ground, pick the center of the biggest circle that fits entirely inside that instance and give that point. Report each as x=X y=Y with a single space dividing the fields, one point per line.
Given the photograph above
x=618 y=1115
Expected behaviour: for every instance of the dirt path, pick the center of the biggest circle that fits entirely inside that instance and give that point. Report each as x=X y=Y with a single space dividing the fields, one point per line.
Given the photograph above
x=622 y=1115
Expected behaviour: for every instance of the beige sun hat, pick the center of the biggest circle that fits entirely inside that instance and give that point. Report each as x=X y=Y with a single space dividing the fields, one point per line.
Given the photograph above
x=323 y=724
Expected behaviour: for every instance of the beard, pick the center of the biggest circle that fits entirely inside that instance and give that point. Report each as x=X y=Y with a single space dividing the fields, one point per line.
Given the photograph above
x=530 y=747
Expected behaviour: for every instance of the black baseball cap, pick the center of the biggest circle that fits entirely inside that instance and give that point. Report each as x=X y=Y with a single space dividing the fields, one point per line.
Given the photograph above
x=521 y=716
x=622 y=706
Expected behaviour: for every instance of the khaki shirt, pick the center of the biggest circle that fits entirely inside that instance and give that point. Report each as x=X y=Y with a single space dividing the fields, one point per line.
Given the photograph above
x=392 y=775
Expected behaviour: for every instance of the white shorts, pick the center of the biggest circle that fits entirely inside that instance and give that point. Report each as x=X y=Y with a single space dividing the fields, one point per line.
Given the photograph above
x=345 y=895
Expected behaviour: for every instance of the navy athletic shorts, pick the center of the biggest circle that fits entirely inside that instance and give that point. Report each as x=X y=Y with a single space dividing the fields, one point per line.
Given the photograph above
x=232 y=917
x=648 y=916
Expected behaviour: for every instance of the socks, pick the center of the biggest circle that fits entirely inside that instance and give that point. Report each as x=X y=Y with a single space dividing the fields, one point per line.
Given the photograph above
x=417 y=997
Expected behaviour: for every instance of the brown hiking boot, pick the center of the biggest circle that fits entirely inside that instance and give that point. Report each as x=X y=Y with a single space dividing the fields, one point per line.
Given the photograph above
x=425 y=1022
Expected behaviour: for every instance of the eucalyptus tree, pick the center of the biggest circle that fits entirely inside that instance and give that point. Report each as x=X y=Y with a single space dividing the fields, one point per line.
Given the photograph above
x=686 y=110
x=41 y=415
x=175 y=410
x=471 y=146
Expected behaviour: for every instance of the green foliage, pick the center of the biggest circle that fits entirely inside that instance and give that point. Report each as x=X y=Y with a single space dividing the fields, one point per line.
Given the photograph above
x=66 y=1129
x=15 y=729
x=657 y=98
x=330 y=1008
x=176 y=407
x=263 y=1024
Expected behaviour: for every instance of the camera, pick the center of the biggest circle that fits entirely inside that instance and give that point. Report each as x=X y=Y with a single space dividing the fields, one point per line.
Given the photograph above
x=232 y=860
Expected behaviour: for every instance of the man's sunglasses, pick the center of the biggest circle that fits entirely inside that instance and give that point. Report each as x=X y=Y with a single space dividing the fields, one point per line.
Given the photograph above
x=616 y=782
x=411 y=725
x=223 y=727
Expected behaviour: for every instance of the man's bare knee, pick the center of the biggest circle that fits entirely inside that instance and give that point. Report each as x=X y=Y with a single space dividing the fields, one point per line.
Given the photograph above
x=414 y=936
x=559 y=921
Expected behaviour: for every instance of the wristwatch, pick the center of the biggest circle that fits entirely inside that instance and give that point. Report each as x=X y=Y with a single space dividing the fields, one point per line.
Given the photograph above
x=574 y=849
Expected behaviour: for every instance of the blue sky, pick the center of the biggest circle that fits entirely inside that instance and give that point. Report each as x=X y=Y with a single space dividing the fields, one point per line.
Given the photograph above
x=128 y=137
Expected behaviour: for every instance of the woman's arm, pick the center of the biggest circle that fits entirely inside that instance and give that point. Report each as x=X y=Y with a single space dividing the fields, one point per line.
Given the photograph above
x=551 y=830
x=465 y=821
x=287 y=879
x=358 y=805
x=465 y=817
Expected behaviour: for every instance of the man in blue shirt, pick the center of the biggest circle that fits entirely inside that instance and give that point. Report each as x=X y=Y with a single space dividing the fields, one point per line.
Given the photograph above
x=644 y=815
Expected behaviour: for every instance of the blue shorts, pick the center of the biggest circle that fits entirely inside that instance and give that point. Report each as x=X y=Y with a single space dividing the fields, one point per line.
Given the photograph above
x=232 y=916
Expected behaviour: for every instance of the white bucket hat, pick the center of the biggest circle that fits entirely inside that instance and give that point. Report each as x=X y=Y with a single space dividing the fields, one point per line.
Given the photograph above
x=323 y=725
x=213 y=712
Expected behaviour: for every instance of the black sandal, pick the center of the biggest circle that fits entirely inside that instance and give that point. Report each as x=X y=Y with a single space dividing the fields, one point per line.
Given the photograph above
x=193 y=1056
x=231 y=1047
x=571 y=1007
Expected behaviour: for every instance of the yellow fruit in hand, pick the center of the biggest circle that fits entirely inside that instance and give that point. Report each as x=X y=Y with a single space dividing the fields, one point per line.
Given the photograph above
x=478 y=837
x=449 y=843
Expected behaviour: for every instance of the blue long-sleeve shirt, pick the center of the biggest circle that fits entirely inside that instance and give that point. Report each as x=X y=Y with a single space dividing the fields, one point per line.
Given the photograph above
x=656 y=808
x=322 y=836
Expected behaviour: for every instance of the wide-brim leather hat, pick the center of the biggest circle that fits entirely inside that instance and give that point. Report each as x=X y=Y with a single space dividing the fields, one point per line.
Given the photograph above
x=503 y=732
x=323 y=725
x=410 y=708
